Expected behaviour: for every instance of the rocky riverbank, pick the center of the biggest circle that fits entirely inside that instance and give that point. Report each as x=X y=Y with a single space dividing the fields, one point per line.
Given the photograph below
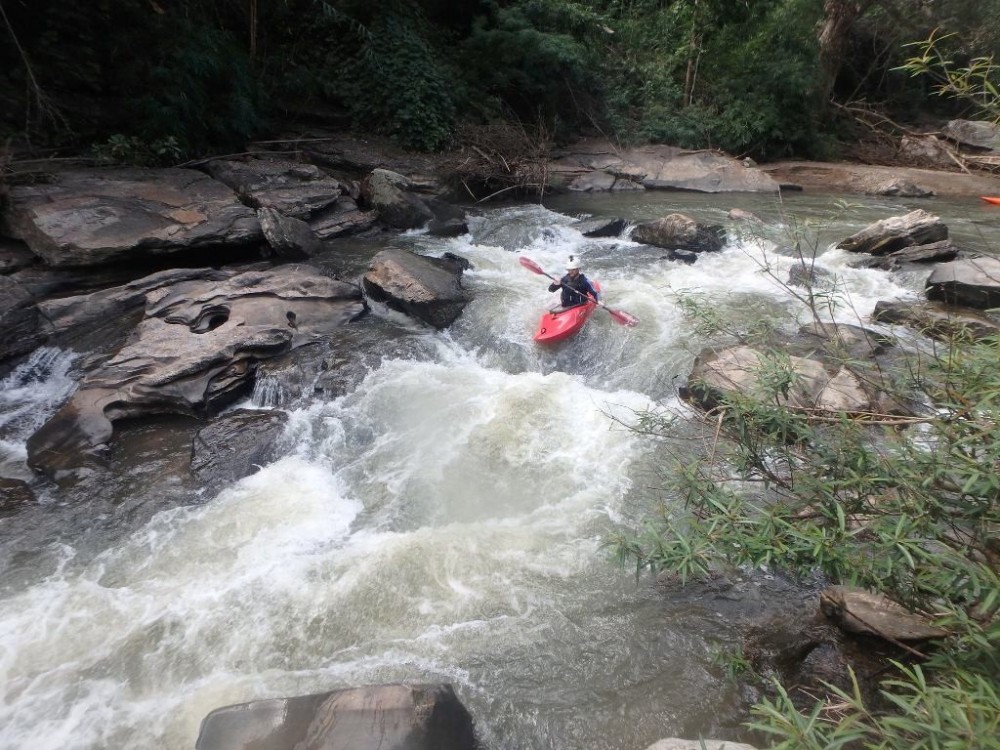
x=181 y=287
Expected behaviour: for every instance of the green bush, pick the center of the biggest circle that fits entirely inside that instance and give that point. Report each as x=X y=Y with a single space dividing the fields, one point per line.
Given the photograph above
x=904 y=504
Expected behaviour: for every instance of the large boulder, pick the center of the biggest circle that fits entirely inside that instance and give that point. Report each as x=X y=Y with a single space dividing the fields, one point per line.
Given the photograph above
x=90 y=218
x=194 y=352
x=972 y=282
x=288 y=237
x=399 y=205
x=680 y=232
x=977 y=134
x=895 y=233
x=598 y=165
x=379 y=717
x=428 y=289
x=738 y=370
x=289 y=187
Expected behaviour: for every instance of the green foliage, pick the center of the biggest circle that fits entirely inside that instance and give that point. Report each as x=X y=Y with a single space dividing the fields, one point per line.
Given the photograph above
x=394 y=81
x=904 y=504
x=976 y=81
x=125 y=149
x=538 y=59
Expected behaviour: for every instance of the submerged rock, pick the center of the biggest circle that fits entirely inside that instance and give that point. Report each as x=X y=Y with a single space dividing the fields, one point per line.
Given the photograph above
x=236 y=445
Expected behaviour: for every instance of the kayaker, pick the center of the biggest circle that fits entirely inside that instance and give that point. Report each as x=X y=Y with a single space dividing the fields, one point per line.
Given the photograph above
x=575 y=286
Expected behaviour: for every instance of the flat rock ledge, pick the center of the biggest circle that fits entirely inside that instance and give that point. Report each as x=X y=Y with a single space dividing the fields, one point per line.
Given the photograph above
x=89 y=218
x=597 y=165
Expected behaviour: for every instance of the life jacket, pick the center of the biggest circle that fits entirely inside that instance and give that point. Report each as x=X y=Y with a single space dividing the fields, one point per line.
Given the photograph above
x=577 y=292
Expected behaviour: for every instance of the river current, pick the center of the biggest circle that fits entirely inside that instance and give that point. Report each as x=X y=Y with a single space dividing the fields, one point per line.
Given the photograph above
x=440 y=521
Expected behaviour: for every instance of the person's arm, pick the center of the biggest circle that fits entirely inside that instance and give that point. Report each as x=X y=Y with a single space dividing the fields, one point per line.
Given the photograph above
x=556 y=286
x=592 y=290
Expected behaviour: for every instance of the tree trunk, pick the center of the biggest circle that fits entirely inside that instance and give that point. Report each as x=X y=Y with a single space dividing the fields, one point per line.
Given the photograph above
x=838 y=20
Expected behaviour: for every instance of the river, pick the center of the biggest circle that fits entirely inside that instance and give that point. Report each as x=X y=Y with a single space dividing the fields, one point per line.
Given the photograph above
x=441 y=521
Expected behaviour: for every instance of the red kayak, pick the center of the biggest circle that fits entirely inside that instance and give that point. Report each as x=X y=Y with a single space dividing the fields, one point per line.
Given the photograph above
x=559 y=323
x=991 y=199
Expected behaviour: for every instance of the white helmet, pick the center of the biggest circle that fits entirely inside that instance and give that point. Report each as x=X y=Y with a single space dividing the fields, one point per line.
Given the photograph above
x=573 y=265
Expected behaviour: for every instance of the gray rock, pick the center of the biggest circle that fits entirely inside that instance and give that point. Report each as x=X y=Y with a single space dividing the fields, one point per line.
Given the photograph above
x=341 y=219
x=381 y=717
x=936 y=320
x=235 y=445
x=612 y=227
x=590 y=163
x=289 y=187
x=426 y=288
x=392 y=196
x=978 y=134
x=194 y=352
x=21 y=327
x=90 y=218
x=680 y=232
x=895 y=233
x=288 y=237
x=735 y=370
x=901 y=188
x=972 y=282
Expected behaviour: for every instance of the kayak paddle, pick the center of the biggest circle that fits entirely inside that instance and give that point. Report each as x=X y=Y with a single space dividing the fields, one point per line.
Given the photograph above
x=620 y=316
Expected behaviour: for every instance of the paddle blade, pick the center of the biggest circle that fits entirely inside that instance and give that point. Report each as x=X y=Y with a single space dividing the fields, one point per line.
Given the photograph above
x=531 y=265
x=623 y=317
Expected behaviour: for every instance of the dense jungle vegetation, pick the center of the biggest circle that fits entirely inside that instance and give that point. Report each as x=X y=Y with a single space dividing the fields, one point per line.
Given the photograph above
x=157 y=81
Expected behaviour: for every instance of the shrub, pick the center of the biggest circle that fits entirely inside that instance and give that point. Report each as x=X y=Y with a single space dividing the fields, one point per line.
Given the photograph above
x=904 y=504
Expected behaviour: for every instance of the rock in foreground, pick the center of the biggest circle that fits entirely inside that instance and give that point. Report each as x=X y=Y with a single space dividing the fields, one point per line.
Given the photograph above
x=379 y=717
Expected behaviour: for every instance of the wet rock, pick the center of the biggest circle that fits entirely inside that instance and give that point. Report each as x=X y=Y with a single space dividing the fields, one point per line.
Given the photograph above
x=235 y=445
x=341 y=219
x=425 y=288
x=94 y=320
x=810 y=277
x=866 y=613
x=21 y=327
x=90 y=218
x=972 y=282
x=895 y=233
x=381 y=717
x=612 y=227
x=680 y=232
x=935 y=252
x=14 y=494
x=289 y=237
x=683 y=256
x=453 y=227
x=291 y=188
x=195 y=351
x=936 y=320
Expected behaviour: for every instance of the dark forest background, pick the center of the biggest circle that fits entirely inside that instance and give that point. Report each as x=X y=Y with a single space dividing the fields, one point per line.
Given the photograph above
x=158 y=81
